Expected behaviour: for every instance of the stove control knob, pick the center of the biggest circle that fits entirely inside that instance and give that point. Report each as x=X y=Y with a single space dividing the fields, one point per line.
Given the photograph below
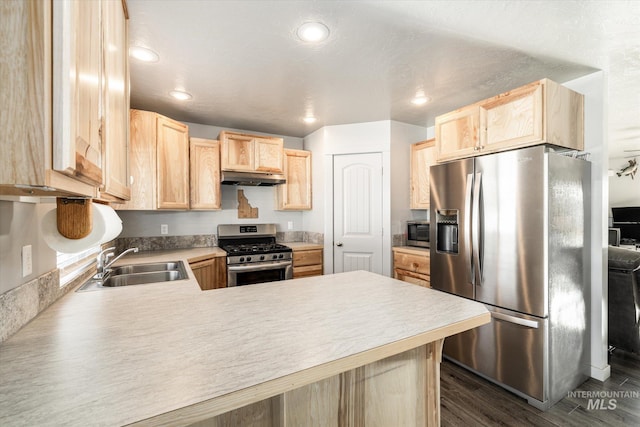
x=241 y=259
x=248 y=258
x=275 y=257
x=280 y=256
x=261 y=257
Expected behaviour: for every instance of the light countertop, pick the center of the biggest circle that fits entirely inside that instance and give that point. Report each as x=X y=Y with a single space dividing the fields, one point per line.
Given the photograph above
x=122 y=355
x=302 y=246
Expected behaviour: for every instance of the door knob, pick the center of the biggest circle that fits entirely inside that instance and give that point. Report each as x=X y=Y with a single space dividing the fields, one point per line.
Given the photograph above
x=339 y=244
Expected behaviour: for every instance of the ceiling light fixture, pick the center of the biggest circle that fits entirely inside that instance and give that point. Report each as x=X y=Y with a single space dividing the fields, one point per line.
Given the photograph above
x=313 y=32
x=143 y=54
x=420 y=100
x=309 y=119
x=180 y=95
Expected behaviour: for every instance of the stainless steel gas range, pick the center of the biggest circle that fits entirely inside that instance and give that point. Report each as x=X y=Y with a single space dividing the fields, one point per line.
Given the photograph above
x=253 y=256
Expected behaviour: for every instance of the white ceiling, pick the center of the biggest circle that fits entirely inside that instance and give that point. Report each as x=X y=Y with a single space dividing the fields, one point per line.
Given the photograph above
x=246 y=69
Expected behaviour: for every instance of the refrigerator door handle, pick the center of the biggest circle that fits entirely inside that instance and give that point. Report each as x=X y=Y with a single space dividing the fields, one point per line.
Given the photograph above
x=517 y=320
x=475 y=229
x=467 y=227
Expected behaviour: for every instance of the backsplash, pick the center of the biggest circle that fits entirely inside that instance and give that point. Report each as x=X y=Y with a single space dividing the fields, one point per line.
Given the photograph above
x=399 y=240
x=299 y=236
x=166 y=242
x=205 y=241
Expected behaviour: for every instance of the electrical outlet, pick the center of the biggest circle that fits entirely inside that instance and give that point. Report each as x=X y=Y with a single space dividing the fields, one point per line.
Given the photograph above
x=164 y=228
x=290 y=225
x=27 y=261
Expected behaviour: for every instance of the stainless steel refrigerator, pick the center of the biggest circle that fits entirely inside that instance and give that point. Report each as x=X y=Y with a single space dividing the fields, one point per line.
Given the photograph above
x=511 y=230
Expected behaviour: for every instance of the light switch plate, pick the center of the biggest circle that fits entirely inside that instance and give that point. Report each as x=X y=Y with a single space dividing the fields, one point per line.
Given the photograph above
x=27 y=261
x=290 y=225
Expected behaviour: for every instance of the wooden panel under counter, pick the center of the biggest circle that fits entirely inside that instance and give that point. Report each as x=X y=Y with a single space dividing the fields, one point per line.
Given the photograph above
x=412 y=264
x=307 y=259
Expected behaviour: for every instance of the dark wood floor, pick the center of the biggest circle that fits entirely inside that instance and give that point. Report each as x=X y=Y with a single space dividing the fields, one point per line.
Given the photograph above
x=468 y=400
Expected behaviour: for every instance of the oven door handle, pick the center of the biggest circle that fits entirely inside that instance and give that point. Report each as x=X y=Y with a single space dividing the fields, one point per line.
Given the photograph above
x=259 y=267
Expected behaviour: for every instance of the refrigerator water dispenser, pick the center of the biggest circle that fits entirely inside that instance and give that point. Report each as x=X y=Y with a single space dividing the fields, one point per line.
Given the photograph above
x=447 y=230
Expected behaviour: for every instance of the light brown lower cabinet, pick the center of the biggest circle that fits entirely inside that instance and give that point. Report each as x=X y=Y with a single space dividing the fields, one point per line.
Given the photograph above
x=210 y=273
x=307 y=262
x=412 y=265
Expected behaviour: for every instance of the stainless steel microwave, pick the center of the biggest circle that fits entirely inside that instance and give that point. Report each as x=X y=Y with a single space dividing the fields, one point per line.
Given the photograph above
x=418 y=233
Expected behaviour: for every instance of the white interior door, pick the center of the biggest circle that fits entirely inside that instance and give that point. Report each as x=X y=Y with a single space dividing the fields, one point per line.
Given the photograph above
x=357 y=212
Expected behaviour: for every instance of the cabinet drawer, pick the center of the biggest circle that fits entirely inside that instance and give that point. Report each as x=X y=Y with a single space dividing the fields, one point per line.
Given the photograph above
x=410 y=277
x=307 y=271
x=411 y=262
x=310 y=257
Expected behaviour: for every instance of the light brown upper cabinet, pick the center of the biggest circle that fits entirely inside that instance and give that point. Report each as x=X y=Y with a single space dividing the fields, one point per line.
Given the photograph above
x=159 y=153
x=295 y=194
x=116 y=102
x=458 y=133
x=77 y=86
x=423 y=155
x=205 y=174
x=542 y=112
x=51 y=133
x=251 y=153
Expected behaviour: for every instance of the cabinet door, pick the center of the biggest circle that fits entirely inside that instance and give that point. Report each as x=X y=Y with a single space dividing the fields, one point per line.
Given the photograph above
x=269 y=155
x=77 y=68
x=458 y=133
x=514 y=119
x=116 y=101
x=210 y=273
x=172 y=151
x=295 y=194
x=423 y=155
x=237 y=152
x=205 y=174
x=204 y=272
x=25 y=133
x=142 y=158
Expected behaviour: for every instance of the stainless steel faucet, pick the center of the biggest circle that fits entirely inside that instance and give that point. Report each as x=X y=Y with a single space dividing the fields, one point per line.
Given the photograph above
x=102 y=260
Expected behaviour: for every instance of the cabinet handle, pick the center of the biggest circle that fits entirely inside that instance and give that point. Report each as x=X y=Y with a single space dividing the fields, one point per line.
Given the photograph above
x=339 y=244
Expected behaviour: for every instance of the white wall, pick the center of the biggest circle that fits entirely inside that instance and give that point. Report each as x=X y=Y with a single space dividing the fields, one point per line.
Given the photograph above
x=390 y=138
x=623 y=191
x=184 y=223
x=593 y=87
x=313 y=220
x=20 y=226
x=402 y=136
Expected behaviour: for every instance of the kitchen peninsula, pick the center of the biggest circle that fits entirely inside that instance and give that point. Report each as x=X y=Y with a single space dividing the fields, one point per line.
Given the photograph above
x=348 y=347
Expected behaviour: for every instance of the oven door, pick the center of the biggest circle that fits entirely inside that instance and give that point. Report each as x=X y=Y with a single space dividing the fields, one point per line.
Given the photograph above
x=250 y=274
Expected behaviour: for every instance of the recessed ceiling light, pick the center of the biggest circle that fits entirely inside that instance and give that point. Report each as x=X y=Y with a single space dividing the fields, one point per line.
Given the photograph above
x=420 y=100
x=181 y=95
x=309 y=119
x=313 y=32
x=143 y=54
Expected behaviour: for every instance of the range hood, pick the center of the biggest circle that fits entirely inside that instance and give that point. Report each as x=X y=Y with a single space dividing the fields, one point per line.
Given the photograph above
x=251 y=178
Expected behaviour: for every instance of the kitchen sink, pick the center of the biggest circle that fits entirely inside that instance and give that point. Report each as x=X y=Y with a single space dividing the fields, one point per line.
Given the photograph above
x=137 y=274
x=146 y=268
